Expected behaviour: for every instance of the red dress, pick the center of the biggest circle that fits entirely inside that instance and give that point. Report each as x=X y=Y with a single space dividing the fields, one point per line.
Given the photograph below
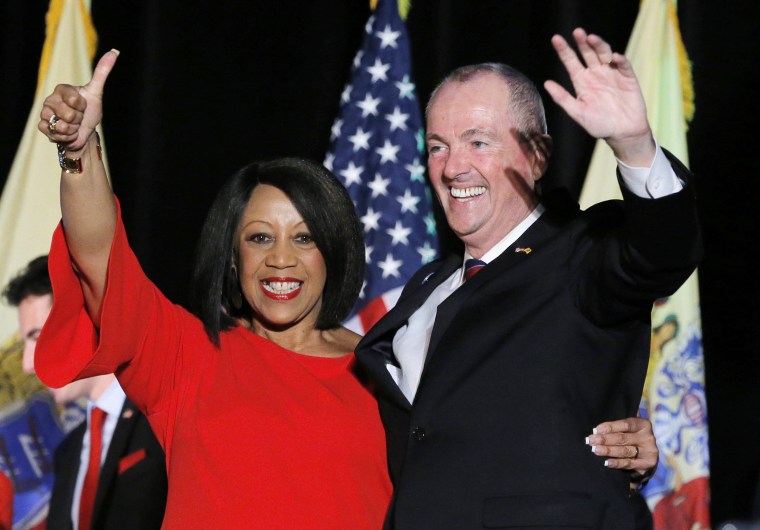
x=256 y=436
x=6 y=502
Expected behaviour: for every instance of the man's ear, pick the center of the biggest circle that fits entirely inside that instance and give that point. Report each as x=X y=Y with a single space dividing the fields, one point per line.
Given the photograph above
x=541 y=147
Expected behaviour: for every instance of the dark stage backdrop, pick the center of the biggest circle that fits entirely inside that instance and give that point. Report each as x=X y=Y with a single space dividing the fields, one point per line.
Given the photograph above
x=202 y=88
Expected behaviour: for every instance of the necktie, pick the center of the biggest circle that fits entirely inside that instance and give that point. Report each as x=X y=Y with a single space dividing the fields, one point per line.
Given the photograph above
x=471 y=268
x=90 y=486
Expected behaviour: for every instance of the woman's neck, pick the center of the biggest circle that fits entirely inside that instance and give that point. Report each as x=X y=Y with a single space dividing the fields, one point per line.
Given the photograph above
x=305 y=338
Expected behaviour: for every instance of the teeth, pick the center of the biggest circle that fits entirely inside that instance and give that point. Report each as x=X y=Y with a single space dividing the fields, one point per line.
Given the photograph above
x=281 y=287
x=463 y=193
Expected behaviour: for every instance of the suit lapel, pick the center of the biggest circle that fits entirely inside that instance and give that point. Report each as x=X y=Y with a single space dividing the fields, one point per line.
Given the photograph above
x=376 y=348
x=66 y=477
x=119 y=444
x=525 y=249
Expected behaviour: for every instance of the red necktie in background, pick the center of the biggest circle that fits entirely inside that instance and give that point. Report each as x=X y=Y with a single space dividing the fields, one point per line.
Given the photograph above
x=90 y=487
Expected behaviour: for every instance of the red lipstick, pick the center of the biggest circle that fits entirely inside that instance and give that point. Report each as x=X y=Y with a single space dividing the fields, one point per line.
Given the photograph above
x=281 y=289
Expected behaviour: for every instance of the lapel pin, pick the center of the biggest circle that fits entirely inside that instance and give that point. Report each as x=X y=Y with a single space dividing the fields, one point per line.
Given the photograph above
x=524 y=250
x=128 y=414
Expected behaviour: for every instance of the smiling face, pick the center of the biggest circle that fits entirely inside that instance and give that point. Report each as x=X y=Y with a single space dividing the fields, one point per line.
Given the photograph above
x=282 y=272
x=481 y=170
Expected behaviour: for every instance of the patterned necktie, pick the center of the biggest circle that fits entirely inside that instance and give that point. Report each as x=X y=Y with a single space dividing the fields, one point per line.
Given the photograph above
x=90 y=486
x=471 y=268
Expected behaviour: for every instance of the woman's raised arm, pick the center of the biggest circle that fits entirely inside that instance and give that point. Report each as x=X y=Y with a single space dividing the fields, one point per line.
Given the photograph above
x=69 y=117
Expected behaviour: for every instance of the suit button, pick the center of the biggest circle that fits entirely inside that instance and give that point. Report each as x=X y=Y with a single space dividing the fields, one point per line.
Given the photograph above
x=419 y=433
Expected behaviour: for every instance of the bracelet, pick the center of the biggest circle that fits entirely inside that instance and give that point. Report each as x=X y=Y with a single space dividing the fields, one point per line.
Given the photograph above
x=74 y=165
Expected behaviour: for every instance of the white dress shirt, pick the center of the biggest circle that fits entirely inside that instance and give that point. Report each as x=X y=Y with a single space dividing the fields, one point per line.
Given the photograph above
x=410 y=343
x=111 y=402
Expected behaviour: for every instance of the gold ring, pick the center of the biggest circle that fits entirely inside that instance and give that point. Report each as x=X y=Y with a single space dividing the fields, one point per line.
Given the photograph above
x=52 y=123
x=637 y=452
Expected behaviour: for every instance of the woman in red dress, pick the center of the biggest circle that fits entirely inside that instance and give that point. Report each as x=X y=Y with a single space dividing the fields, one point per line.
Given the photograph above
x=255 y=400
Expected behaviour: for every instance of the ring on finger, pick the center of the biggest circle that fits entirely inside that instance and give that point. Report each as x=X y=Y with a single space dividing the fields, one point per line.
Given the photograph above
x=635 y=456
x=52 y=123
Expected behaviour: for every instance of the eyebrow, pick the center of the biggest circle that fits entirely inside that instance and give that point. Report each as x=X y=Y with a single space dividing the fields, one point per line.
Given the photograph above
x=269 y=224
x=466 y=135
x=469 y=133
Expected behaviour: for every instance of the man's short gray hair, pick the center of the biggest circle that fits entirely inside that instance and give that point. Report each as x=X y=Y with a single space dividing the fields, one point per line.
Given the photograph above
x=524 y=102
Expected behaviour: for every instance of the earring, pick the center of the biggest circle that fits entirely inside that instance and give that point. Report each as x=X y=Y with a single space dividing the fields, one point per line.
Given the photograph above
x=233 y=288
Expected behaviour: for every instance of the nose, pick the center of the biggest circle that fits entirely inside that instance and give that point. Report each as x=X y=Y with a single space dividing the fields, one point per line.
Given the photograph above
x=281 y=255
x=27 y=360
x=455 y=164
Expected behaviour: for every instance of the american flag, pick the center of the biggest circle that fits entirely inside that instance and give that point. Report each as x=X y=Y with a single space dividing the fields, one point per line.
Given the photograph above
x=376 y=149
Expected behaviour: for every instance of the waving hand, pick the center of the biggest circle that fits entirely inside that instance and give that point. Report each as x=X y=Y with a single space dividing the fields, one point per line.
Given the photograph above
x=608 y=102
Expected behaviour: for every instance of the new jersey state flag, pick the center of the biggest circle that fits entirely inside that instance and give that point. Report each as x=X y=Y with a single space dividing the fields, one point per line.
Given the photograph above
x=674 y=393
x=30 y=425
x=377 y=151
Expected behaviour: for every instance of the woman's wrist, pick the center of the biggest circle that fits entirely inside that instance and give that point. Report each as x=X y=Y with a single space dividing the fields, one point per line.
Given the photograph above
x=73 y=161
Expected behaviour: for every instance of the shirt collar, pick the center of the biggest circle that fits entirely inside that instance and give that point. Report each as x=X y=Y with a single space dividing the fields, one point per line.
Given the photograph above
x=513 y=235
x=111 y=401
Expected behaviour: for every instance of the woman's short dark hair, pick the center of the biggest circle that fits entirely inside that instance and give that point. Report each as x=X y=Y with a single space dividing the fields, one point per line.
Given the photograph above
x=326 y=208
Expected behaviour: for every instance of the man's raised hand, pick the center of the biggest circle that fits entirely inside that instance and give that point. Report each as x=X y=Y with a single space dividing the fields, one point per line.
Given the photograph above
x=608 y=102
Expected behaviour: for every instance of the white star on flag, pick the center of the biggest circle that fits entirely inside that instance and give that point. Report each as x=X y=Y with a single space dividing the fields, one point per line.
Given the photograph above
x=389 y=266
x=416 y=170
x=379 y=186
x=427 y=253
x=368 y=105
x=388 y=152
x=388 y=37
x=370 y=220
x=430 y=223
x=399 y=234
x=405 y=88
x=352 y=174
x=379 y=71
x=360 y=139
x=358 y=59
x=408 y=202
x=335 y=129
x=345 y=96
x=397 y=119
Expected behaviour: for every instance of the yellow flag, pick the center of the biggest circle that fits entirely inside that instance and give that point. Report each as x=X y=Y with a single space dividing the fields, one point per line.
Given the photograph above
x=29 y=204
x=674 y=397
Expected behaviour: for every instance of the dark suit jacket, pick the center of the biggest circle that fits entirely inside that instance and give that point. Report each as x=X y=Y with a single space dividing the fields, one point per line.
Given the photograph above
x=524 y=360
x=132 y=486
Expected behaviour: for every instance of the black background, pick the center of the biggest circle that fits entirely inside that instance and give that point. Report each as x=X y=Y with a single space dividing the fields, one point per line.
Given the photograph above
x=202 y=88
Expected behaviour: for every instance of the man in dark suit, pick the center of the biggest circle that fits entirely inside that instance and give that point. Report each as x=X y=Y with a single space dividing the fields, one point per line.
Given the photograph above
x=487 y=387
x=122 y=483
x=131 y=490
